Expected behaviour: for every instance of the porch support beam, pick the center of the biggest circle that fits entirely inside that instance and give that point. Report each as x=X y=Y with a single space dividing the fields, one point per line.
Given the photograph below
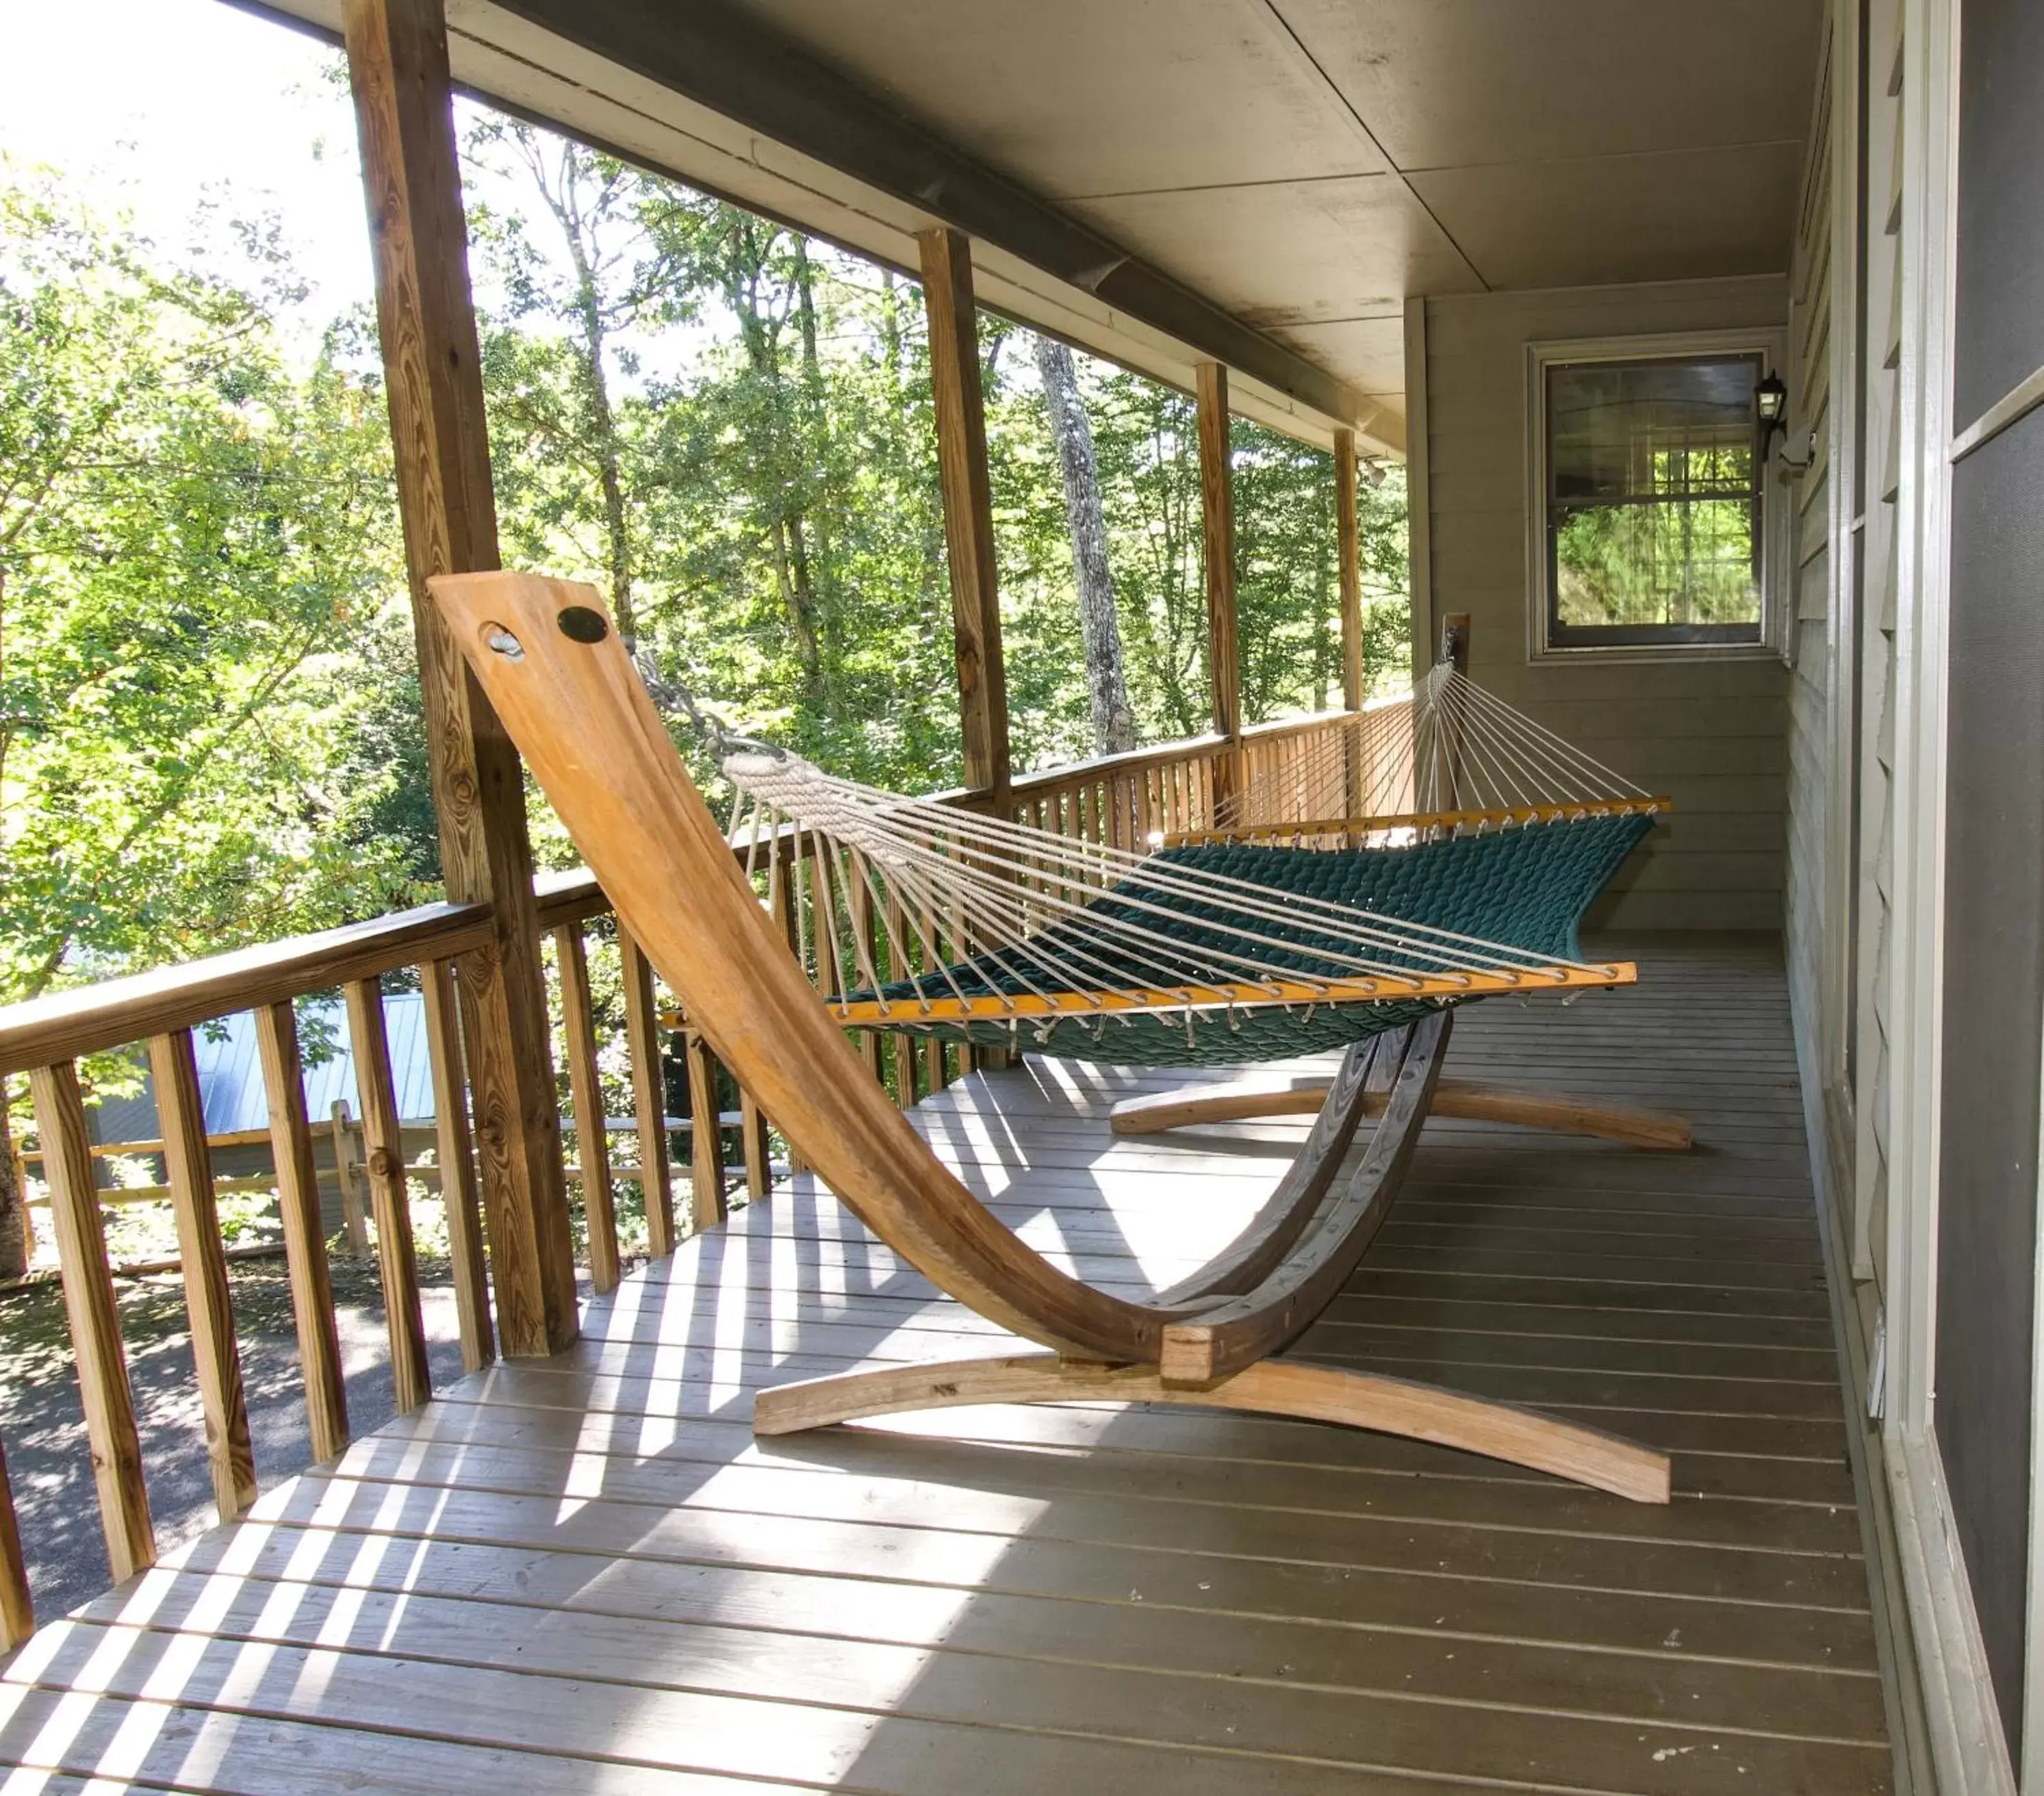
x=1348 y=555
x=946 y=259
x=1217 y=519
x=398 y=67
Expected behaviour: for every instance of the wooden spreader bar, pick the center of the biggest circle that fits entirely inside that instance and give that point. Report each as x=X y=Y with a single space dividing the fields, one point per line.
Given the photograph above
x=557 y=675
x=877 y=1013
x=1502 y=817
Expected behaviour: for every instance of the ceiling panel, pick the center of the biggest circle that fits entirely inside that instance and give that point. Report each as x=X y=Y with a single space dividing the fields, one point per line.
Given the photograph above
x=1290 y=252
x=1368 y=353
x=1075 y=97
x=1240 y=146
x=1677 y=217
x=1445 y=83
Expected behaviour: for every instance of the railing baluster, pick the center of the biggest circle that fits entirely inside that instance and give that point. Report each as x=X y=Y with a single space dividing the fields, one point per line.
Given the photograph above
x=17 y=1608
x=822 y=919
x=903 y=1044
x=936 y=1073
x=383 y=1151
x=305 y=1229
x=599 y=1198
x=352 y=1225
x=859 y=896
x=209 y=1303
x=756 y=1144
x=469 y=1263
x=95 y=1320
x=649 y=1097
x=783 y=901
x=705 y=1136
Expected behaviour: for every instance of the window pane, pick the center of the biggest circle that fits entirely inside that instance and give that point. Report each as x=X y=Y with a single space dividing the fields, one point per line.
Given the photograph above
x=1633 y=429
x=1674 y=561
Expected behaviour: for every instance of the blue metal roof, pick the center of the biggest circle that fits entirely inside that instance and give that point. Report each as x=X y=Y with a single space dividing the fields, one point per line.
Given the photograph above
x=230 y=1072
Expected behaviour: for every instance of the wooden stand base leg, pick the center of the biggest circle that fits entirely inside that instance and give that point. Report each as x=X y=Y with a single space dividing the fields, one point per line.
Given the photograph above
x=1465 y=1099
x=1286 y=1387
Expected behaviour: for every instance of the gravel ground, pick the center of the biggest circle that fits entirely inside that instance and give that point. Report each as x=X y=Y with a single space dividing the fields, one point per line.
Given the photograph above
x=44 y=1430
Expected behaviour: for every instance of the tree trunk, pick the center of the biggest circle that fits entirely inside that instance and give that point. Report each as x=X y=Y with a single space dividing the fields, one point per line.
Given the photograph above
x=600 y=422
x=798 y=603
x=745 y=265
x=13 y=1203
x=813 y=429
x=1107 y=685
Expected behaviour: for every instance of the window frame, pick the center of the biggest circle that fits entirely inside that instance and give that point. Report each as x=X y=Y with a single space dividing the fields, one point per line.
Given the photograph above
x=1648 y=641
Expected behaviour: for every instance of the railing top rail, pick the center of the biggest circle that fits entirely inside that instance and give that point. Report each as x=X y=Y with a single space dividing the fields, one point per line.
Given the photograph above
x=65 y=1024
x=1305 y=721
x=1130 y=761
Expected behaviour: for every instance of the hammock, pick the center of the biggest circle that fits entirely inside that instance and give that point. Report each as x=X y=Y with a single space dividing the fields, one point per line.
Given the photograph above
x=1223 y=947
x=1231 y=936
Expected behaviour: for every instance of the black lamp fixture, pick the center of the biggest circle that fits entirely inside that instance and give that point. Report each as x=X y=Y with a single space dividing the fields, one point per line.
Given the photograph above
x=1770 y=405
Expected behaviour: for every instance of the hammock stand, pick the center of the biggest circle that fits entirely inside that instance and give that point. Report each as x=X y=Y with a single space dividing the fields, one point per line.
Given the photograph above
x=565 y=688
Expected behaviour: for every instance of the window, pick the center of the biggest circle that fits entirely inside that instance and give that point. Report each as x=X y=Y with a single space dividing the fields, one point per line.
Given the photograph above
x=1653 y=507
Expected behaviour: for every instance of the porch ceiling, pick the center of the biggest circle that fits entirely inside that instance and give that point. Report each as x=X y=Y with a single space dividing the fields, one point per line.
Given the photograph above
x=1308 y=163
x=1263 y=181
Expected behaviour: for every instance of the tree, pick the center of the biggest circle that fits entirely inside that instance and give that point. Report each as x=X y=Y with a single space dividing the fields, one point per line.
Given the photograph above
x=189 y=529
x=551 y=401
x=1107 y=689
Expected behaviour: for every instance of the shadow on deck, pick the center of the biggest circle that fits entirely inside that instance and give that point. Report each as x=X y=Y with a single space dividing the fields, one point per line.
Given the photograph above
x=584 y=1574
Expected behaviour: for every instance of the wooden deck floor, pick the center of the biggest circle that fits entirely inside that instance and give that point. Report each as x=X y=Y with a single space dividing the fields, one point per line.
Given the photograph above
x=585 y=1574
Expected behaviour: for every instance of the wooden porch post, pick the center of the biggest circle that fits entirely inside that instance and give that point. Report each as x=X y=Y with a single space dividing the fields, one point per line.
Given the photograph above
x=1217 y=517
x=1348 y=553
x=946 y=258
x=398 y=67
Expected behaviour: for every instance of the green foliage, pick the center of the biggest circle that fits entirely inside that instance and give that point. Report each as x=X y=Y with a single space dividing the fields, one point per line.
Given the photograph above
x=193 y=535
x=1677 y=561
x=209 y=716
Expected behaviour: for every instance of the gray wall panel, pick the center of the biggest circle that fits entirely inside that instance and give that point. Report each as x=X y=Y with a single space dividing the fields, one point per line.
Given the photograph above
x=2000 y=319
x=1993 y=1015
x=1713 y=735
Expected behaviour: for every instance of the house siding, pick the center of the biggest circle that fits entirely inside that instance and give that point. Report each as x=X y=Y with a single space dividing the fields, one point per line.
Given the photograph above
x=1808 y=896
x=1712 y=734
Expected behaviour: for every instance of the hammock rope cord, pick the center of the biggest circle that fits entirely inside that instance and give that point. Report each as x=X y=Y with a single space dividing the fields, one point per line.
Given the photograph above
x=1450 y=751
x=990 y=925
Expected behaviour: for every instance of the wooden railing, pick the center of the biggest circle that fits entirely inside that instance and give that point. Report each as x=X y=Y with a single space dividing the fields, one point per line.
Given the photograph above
x=1129 y=801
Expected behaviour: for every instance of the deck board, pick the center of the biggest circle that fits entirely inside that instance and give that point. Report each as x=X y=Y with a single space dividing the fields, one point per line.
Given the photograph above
x=584 y=1573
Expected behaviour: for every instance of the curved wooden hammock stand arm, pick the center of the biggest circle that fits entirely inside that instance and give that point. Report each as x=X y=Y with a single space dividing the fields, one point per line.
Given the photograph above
x=578 y=712
x=1463 y=1100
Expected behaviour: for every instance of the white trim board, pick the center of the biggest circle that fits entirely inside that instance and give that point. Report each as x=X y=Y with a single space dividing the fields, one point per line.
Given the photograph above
x=1419 y=495
x=1895 y=1639
x=1966 y=1743
x=2019 y=402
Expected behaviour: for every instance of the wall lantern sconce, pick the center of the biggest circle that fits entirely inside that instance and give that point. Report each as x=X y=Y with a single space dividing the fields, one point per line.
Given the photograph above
x=1770 y=406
